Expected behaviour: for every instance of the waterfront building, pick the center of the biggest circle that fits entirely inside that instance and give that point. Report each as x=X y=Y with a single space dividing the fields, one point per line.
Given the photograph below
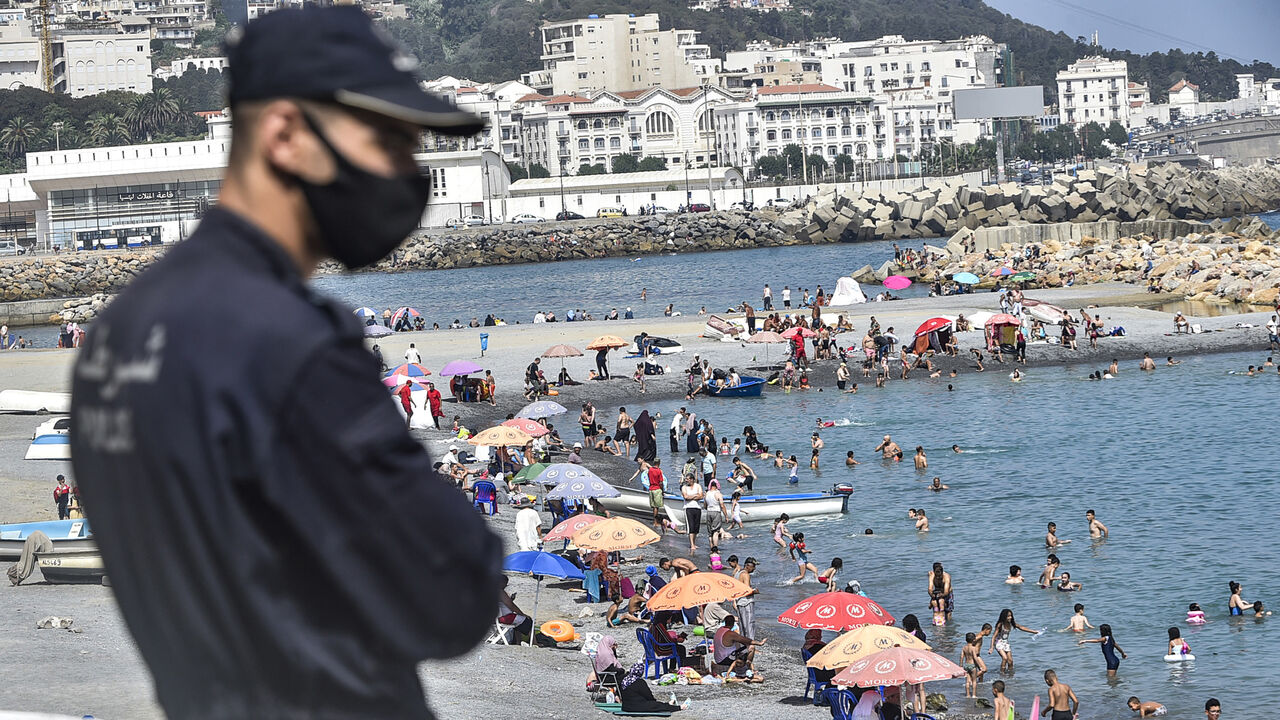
x=1094 y=89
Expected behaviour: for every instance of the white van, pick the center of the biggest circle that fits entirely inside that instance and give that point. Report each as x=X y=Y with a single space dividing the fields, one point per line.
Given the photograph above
x=8 y=247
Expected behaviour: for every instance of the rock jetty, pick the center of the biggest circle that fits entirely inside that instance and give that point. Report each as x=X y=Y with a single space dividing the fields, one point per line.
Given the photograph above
x=1125 y=194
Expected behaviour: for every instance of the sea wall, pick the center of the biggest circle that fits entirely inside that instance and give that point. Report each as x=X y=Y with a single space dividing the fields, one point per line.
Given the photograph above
x=1149 y=192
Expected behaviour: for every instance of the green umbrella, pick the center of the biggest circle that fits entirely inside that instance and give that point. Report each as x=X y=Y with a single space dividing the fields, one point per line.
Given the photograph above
x=529 y=473
x=1023 y=277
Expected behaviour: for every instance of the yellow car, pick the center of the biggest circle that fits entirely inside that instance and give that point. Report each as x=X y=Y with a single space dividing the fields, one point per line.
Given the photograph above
x=611 y=212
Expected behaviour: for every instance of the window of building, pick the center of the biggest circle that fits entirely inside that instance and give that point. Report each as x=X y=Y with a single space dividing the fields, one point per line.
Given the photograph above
x=817 y=132
x=584 y=144
x=615 y=143
x=800 y=133
x=786 y=134
x=884 y=67
x=786 y=115
x=831 y=112
x=771 y=135
x=599 y=143
x=770 y=116
x=582 y=124
x=659 y=123
x=613 y=122
x=598 y=125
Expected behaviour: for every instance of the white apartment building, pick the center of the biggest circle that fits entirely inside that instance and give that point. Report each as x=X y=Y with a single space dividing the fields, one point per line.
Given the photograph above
x=495 y=103
x=618 y=52
x=821 y=119
x=565 y=132
x=179 y=67
x=83 y=64
x=890 y=64
x=1094 y=89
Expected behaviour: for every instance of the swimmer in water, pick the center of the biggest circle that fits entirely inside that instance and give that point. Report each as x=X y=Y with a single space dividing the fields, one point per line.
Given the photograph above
x=1016 y=375
x=1051 y=538
x=1078 y=622
x=1195 y=616
x=1050 y=573
x=849 y=461
x=888 y=448
x=922 y=521
x=1066 y=585
x=1170 y=362
x=1015 y=576
x=956 y=449
x=1096 y=529
x=922 y=462
x=937 y=485
x=1146 y=709
x=1147 y=363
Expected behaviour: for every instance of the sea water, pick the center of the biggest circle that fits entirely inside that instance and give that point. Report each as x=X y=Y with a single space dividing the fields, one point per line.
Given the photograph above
x=1179 y=463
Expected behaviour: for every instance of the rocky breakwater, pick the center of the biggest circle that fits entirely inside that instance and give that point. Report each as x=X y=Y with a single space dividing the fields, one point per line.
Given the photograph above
x=1146 y=192
x=88 y=278
x=546 y=242
x=1232 y=261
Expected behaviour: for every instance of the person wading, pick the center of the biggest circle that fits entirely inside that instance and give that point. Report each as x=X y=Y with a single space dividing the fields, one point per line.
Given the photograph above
x=256 y=499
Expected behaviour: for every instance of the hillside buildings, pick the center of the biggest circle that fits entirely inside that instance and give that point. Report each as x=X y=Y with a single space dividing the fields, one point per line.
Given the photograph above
x=82 y=63
x=1094 y=89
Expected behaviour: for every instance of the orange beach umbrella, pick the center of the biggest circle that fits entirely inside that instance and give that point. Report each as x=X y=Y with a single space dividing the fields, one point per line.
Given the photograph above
x=697 y=589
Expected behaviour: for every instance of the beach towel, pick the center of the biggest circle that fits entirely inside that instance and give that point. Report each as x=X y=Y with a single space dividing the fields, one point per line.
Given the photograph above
x=591 y=583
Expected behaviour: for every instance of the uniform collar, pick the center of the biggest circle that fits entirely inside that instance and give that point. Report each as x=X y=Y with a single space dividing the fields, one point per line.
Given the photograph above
x=251 y=246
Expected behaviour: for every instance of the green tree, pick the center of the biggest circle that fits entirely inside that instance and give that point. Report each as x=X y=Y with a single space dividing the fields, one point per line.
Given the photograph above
x=517 y=172
x=653 y=163
x=772 y=166
x=149 y=114
x=18 y=136
x=597 y=169
x=107 y=129
x=1116 y=134
x=625 y=164
x=794 y=157
x=817 y=165
x=843 y=164
x=538 y=171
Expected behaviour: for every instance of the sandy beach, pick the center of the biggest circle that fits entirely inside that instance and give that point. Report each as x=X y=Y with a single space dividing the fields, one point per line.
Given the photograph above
x=97 y=670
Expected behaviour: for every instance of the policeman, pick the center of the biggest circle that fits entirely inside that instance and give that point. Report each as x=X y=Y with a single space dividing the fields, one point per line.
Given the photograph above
x=278 y=543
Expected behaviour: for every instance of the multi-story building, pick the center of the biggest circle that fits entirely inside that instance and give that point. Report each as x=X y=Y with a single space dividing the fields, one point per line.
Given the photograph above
x=494 y=102
x=820 y=119
x=83 y=64
x=890 y=64
x=564 y=132
x=1094 y=89
x=618 y=52
x=179 y=67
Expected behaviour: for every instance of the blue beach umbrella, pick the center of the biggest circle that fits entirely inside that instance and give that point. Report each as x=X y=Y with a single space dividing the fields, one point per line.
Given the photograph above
x=560 y=473
x=542 y=409
x=376 y=331
x=966 y=278
x=540 y=564
x=366 y=312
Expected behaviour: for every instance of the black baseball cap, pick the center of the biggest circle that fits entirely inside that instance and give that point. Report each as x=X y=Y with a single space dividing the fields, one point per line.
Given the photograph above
x=335 y=54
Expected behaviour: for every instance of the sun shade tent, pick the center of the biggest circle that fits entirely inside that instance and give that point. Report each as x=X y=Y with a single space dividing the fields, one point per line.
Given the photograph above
x=1002 y=330
x=933 y=334
x=848 y=292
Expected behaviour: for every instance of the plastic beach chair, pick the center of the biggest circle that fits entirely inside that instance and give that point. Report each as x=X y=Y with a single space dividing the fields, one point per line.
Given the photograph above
x=841 y=700
x=486 y=496
x=659 y=664
x=812 y=682
x=500 y=632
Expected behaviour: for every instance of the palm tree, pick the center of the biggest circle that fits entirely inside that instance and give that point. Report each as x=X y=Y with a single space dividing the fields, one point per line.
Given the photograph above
x=18 y=135
x=107 y=128
x=134 y=114
x=156 y=109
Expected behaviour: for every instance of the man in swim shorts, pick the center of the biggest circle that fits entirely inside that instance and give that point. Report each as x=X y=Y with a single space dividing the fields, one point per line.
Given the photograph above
x=1062 y=700
x=1096 y=528
x=888 y=448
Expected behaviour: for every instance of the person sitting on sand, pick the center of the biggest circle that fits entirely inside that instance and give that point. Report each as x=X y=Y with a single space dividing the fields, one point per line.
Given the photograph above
x=1180 y=324
x=735 y=650
x=634 y=693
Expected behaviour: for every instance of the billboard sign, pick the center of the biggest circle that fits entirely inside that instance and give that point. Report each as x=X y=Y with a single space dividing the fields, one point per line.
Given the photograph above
x=993 y=103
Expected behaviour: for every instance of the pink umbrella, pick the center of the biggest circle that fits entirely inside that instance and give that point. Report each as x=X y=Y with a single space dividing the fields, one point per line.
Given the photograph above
x=532 y=427
x=570 y=527
x=897 y=282
x=460 y=367
x=897 y=666
x=802 y=331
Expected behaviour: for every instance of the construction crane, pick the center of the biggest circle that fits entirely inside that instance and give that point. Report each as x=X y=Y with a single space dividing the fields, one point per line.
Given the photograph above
x=46 y=43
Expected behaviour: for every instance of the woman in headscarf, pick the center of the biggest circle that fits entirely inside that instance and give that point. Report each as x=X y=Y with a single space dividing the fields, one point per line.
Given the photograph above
x=635 y=695
x=646 y=437
x=812 y=644
x=691 y=433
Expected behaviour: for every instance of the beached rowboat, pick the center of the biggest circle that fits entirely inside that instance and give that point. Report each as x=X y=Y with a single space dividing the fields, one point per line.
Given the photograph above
x=758 y=508
x=51 y=446
x=74 y=567
x=749 y=387
x=65 y=534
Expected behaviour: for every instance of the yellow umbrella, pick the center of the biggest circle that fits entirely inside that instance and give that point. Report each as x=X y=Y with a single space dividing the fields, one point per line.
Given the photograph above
x=614 y=534
x=607 y=341
x=501 y=436
x=860 y=642
x=697 y=589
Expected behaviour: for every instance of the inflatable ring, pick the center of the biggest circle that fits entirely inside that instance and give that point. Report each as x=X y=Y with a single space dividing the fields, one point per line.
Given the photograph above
x=1179 y=658
x=553 y=393
x=557 y=630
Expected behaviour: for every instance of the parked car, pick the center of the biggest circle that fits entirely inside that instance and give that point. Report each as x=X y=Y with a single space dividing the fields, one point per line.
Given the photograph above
x=568 y=215
x=525 y=218
x=659 y=210
x=778 y=203
x=699 y=207
x=611 y=212
x=747 y=206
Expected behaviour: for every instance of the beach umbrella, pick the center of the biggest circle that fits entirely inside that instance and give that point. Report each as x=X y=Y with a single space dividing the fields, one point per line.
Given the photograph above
x=542 y=409
x=966 y=278
x=540 y=564
x=528 y=474
x=559 y=473
x=898 y=666
x=1002 y=319
x=404 y=312
x=897 y=282
x=607 y=342
x=835 y=611
x=797 y=330
x=561 y=351
x=583 y=488
x=365 y=312
x=460 y=367
x=377 y=331
x=766 y=337
x=860 y=642
x=696 y=589
x=570 y=527
x=1002 y=271
x=932 y=324
x=413 y=372
x=1023 y=276
x=531 y=427
x=614 y=535
x=501 y=436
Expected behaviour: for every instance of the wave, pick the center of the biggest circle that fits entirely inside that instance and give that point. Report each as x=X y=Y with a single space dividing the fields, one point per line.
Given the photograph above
x=846 y=422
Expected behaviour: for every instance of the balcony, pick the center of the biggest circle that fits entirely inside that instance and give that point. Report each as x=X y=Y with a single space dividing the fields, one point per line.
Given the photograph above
x=562 y=133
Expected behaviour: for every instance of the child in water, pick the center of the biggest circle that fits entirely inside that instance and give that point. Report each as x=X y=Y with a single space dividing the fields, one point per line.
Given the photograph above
x=1177 y=646
x=794 y=478
x=714 y=559
x=1050 y=571
x=780 y=530
x=1015 y=576
x=828 y=576
x=1195 y=616
x=1078 y=622
x=1066 y=585
x=800 y=553
x=736 y=512
x=971 y=658
x=1146 y=709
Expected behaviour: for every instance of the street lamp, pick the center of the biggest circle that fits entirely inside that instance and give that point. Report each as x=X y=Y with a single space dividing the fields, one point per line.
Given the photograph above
x=688 y=194
x=57 y=135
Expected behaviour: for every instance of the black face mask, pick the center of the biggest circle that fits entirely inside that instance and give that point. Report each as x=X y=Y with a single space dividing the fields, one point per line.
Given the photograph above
x=362 y=217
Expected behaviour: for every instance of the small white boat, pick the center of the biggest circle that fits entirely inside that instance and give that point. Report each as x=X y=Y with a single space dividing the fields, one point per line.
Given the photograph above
x=29 y=401
x=759 y=508
x=67 y=535
x=51 y=446
x=72 y=567
x=720 y=329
